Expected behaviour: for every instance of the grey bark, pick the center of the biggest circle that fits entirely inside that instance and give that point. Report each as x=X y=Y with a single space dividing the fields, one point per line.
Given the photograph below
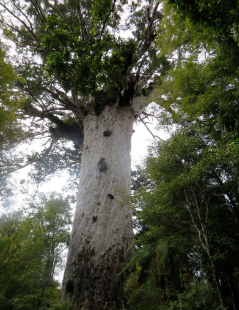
x=102 y=228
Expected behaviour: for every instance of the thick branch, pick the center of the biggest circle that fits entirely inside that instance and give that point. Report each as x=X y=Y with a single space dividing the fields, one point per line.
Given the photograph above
x=73 y=132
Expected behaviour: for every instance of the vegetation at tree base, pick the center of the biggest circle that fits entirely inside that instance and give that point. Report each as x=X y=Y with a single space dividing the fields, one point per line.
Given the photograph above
x=31 y=247
x=186 y=199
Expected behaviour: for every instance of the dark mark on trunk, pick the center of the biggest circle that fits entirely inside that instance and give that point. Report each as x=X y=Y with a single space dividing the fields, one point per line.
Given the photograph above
x=102 y=166
x=70 y=286
x=111 y=196
x=107 y=133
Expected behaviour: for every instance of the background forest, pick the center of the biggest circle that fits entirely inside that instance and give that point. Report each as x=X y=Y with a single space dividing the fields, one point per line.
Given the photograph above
x=186 y=196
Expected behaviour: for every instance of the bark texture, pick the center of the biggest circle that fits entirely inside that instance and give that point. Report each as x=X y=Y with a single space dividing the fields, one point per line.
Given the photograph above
x=102 y=229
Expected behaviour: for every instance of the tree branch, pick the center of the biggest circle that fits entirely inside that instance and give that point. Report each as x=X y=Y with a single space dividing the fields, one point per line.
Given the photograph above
x=149 y=129
x=29 y=28
x=149 y=35
x=81 y=20
x=107 y=17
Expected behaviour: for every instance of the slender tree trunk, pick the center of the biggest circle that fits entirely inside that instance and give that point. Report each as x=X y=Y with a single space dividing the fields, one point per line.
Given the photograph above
x=203 y=237
x=216 y=281
x=233 y=291
x=102 y=229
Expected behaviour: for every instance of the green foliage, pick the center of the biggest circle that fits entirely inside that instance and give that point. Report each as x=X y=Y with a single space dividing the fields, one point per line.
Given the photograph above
x=206 y=90
x=9 y=100
x=5 y=304
x=200 y=296
x=58 y=306
x=80 y=65
x=218 y=16
x=100 y=10
x=30 y=252
x=189 y=225
x=180 y=37
x=7 y=77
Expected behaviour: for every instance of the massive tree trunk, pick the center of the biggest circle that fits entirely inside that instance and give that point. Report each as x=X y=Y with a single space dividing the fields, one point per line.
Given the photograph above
x=102 y=229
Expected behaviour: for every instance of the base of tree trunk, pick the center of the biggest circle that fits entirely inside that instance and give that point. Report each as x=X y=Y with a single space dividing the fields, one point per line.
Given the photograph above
x=97 y=286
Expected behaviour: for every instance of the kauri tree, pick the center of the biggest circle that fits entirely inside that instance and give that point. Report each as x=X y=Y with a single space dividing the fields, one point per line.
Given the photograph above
x=88 y=84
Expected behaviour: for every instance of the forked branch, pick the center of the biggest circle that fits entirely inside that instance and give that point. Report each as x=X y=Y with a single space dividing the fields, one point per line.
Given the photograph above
x=154 y=136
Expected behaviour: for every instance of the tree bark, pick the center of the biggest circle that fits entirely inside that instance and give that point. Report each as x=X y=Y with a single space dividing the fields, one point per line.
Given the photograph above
x=102 y=228
x=216 y=282
x=233 y=291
